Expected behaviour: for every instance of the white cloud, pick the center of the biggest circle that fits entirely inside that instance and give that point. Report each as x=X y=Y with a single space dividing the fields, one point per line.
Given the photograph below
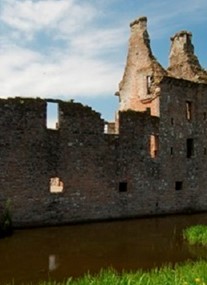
x=81 y=66
x=73 y=70
x=17 y=58
x=98 y=41
x=26 y=73
x=76 y=19
x=29 y=16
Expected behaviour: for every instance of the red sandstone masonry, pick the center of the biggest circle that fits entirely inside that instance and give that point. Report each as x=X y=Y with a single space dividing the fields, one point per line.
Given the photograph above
x=139 y=87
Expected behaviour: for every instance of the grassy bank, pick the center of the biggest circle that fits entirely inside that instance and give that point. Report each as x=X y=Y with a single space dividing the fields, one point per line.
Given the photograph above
x=196 y=234
x=187 y=274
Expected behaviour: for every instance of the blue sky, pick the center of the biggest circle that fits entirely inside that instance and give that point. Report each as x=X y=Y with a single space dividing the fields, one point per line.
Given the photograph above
x=76 y=49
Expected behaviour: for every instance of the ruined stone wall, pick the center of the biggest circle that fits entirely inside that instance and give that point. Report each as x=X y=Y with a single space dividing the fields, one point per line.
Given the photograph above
x=183 y=156
x=183 y=63
x=153 y=166
x=96 y=175
x=152 y=160
x=138 y=89
x=136 y=166
x=31 y=155
x=23 y=165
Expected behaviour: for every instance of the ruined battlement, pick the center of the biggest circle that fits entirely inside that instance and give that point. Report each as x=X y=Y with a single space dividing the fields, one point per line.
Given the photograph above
x=152 y=160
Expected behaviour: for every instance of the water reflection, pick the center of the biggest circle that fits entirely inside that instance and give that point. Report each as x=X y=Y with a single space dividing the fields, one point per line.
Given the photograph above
x=52 y=262
x=57 y=253
x=198 y=251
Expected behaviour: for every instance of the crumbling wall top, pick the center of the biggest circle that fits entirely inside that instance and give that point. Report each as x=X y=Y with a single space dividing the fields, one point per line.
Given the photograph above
x=181 y=34
x=183 y=62
x=140 y=20
x=142 y=72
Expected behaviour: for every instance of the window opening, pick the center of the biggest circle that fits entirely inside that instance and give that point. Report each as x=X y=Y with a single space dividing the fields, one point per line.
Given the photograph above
x=52 y=115
x=178 y=185
x=56 y=185
x=172 y=121
x=204 y=116
x=190 y=148
x=188 y=110
x=106 y=127
x=52 y=262
x=149 y=83
x=171 y=151
x=154 y=143
x=204 y=151
x=123 y=186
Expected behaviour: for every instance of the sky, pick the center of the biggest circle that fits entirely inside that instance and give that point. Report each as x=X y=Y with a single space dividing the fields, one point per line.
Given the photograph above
x=77 y=49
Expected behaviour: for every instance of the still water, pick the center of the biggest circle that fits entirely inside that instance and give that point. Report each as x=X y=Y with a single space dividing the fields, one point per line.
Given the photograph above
x=59 y=252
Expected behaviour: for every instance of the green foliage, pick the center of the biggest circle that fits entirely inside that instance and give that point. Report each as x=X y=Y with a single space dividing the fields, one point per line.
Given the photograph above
x=6 y=228
x=186 y=274
x=196 y=234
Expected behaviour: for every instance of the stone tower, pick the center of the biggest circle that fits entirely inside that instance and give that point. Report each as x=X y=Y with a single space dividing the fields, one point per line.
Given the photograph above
x=138 y=89
x=183 y=62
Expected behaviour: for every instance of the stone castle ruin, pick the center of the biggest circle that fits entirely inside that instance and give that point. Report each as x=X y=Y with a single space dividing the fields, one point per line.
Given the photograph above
x=152 y=160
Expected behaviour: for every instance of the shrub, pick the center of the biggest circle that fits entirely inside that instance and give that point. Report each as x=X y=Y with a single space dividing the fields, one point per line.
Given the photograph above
x=196 y=234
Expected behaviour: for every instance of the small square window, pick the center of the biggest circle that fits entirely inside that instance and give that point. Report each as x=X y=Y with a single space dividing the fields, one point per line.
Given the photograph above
x=190 y=148
x=149 y=83
x=56 y=185
x=123 y=186
x=52 y=115
x=178 y=185
x=188 y=110
x=153 y=146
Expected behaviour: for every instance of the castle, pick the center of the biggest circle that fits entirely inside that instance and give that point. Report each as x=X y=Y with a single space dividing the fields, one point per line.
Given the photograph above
x=152 y=160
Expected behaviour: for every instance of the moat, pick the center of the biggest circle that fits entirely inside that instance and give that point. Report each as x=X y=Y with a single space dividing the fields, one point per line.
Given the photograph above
x=60 y=252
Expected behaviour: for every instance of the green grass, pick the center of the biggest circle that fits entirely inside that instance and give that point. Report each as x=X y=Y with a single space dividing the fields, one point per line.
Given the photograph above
x=196 y=234
x=186 y=274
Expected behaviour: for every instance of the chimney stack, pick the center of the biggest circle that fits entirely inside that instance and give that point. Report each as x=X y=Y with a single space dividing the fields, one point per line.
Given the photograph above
x=183 y=62
x=142 y=72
